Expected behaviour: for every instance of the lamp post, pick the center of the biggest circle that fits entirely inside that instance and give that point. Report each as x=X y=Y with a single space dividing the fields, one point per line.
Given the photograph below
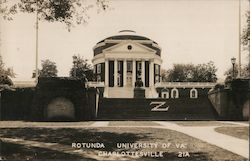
x=233 y=60
x=74 y=62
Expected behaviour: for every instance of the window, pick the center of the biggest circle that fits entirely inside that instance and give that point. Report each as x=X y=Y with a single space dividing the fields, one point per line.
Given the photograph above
x=94 y=69
x=129 y=47
x=129 y=66
x=99 y=68
x=157 y=79
x=174 y=93
x=193 y=93
x=165 y=93
x=99 y=78
x=139 y=66
x=157 y=69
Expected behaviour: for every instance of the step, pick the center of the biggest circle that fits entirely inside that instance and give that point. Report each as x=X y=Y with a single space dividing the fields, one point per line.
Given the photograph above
x=180 y=109
x=120 y=92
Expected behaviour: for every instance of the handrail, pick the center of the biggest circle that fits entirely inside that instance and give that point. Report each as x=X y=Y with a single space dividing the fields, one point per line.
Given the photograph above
x=185 y=84
x=95 y=84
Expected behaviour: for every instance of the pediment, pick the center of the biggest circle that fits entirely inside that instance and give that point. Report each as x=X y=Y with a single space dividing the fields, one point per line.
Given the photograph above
x=129 y=47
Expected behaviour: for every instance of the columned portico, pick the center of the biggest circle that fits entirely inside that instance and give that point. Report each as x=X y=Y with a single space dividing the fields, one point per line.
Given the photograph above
x=120 y=60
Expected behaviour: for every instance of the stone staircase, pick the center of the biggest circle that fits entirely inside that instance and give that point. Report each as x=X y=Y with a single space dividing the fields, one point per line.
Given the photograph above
x=128 y=92
x=141 y=109
x=120 y=92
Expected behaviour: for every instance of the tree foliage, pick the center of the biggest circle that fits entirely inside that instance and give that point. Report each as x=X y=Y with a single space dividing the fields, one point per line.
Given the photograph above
x=69 y=12
x=5 y=73
x=191 y=73
x=245 y=38
x=48 y=69
x=246 y=43
x=229 y=73
x=81 y=69
x=164 y=75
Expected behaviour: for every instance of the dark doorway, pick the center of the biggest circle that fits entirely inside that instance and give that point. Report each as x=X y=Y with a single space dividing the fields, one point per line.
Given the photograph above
x=111 y=73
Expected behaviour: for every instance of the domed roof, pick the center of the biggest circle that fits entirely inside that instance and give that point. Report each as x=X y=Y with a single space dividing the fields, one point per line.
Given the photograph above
x=126 y=35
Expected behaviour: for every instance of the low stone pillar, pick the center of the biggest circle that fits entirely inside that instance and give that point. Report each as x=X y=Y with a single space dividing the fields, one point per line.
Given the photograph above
x=240 y=96
x=139 y=92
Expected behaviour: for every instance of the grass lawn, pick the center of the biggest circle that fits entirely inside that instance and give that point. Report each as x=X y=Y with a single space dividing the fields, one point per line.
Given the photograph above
x=239 y=131
x=37 y=124
x=11 y=151
x=110 y=136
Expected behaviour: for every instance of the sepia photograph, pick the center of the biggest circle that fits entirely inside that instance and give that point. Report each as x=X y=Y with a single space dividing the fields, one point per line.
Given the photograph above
x=124 y=80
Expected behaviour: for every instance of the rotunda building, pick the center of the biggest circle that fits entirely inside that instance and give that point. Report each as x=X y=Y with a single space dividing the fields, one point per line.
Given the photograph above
x=122 y=59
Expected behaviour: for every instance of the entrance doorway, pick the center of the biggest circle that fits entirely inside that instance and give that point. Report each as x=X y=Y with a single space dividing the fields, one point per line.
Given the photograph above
x=129 y=79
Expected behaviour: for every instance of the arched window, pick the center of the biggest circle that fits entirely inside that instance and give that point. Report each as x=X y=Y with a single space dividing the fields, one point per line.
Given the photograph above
x=193 y=93
x=99 y=68
x=174 y=93
x=165 y=93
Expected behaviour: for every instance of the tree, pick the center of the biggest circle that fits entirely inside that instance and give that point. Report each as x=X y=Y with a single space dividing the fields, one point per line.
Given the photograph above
x=48 y=69
x=191 y=73
x=245 y=40
x=5 y=74
x=229 y=73
x=180 y=73
x=205 y=73
x=164 y=75
x=69 y=12
x=81 y=69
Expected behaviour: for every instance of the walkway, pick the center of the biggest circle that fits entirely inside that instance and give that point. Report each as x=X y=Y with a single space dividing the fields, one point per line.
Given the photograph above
x=100 y=124
x=207 y=134
x=204 y=133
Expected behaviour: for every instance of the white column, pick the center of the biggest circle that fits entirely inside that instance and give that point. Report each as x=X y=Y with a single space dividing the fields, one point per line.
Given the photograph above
x=124 y=72
x=143 y=72
x=106 y=73
x=115 y=72
x=151 y=73
x=133 y=74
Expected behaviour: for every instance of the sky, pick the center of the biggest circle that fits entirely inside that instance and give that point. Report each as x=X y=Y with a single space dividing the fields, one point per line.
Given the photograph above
x=188 y=31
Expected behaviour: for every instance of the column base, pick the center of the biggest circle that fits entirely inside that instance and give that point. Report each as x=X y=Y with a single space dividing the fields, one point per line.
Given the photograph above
x=106 y=92
x=139 y=92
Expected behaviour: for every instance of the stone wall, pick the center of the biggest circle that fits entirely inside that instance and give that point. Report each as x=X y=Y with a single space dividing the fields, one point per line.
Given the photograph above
x=219 y=100
x=185 y=92
x=51 y=89
x=15 y=105
x=53 y=99
x=232 y=103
